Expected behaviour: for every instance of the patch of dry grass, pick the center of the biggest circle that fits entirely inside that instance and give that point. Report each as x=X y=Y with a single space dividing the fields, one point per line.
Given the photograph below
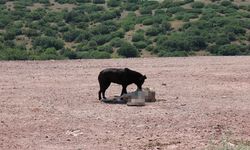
x=58 y=7
x=10 y=5
x=176 y=24
x=35 y=6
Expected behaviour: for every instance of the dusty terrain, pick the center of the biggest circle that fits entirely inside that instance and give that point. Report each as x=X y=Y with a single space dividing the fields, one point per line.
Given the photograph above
x=53 y=105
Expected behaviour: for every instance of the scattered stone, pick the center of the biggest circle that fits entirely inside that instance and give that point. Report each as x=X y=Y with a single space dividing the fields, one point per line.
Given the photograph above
x=74 y=132
x=231 y=144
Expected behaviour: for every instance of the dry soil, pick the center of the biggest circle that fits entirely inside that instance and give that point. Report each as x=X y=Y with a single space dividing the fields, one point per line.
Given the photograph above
x=54 y=105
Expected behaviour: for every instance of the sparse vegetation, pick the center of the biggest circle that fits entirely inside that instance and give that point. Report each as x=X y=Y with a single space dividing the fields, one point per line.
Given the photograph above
x=227 y=144
x=98 y=26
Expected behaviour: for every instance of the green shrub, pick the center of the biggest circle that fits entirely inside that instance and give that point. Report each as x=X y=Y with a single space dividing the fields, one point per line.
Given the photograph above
x=171 y=3
x=83 y=47
x=92 y=44
x=116 y=42
x=130 y=6
x=83 y=55
x=174 y=10
x=159 y=12
x=234 y=29
x=145 y=10
x=37 y=14
x=153 y=31
x=105 y=28
x=128 y=50
x=105 y=48
x=114 y=3
x=158 y=19
x=150 y=48
x=102 y=39
x=99 y=55
x=4 y=21
x=9 y=35
x=181 y=42
x=166 y=26
x=69 y=54
x=148 y=21
x=75 y=17
x=71 y=35
x=129 y=22
x=119 y=33
x=13 y=54
x=50 y=53
x=93 y=55
x=65 y=1
x=137 y=37
x=83 y=36
x=197 y=5
x=91 y=26
x=226 y=3
x=222 y=40
x=98 y=1
x=140 y=44
x=173 y=54
x=108 y=15
x=83 y=1
x=48 y=42
x=229 y=49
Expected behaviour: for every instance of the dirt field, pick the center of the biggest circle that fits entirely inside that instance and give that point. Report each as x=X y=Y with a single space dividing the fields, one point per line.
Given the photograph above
x=54 y=105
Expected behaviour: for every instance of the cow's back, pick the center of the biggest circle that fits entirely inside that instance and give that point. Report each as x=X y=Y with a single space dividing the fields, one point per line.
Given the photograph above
x=115 y=75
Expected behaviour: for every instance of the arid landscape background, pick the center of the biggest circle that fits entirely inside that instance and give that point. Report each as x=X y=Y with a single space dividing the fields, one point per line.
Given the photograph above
x=202 y=103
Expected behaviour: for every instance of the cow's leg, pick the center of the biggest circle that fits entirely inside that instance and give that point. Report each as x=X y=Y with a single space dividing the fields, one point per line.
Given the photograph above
x=124 y=89
x=99 y=94
x=103 y=89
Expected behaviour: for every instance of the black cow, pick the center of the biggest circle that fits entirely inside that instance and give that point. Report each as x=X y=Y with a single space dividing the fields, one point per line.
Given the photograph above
x=123 y=77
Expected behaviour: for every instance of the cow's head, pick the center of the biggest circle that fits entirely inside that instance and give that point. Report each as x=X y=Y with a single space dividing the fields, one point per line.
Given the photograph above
x=141 y=81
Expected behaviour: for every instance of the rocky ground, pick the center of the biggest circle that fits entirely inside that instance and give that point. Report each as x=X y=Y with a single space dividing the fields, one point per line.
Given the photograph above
x=53 y=105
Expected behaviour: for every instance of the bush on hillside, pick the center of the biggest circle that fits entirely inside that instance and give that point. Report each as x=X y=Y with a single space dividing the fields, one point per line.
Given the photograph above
x=48 y=42
x=197 y=5
x=140 y=44
x=137 y=37
x=99 y=1
x=128 y=50
x=114 y=3
x=105 y=48
x=13 y=54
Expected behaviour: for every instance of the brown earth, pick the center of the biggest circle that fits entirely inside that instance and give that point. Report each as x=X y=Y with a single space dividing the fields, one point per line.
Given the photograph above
x=53 y=105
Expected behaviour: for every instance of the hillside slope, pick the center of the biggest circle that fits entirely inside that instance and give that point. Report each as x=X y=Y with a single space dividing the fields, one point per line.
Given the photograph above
x=59 y=29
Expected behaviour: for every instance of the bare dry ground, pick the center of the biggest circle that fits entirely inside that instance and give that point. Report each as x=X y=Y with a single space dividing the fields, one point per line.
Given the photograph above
x=53 y=105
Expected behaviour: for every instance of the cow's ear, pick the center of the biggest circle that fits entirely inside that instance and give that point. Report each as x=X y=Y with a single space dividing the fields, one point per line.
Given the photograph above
x=145 y=77
x=126 y=69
